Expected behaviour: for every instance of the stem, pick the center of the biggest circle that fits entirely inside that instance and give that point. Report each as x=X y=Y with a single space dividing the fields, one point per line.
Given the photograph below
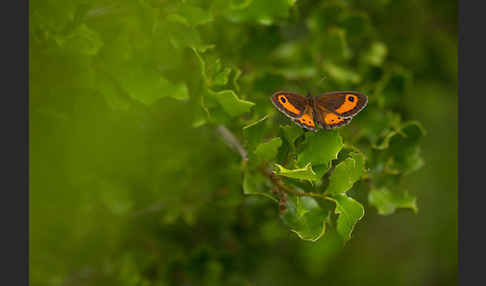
x=232 y=141
x=235 y=144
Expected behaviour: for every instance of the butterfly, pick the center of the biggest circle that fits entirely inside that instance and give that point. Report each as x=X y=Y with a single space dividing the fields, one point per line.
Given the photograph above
x=327 y=111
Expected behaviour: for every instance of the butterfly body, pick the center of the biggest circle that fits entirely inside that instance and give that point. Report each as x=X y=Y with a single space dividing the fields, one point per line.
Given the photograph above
x=327 y=111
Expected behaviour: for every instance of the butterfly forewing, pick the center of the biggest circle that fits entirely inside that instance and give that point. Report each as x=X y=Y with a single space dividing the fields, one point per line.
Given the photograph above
x=343 y=103
x=291 y=104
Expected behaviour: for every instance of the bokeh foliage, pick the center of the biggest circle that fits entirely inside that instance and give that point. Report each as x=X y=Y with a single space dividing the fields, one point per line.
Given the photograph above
x=157 y=157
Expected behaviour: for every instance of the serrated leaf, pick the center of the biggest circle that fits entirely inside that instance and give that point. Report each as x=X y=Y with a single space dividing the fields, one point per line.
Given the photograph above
x=349 y=213
x=148 y=86
x=212 y=70
x=386 y=202
x=254 y=132
x=401 y=150
x=305 y=217
x=255 y=183
x=305 y=173
x=268 y=150
x=320 y=148
x=291 y=133
x=230 y=102
x=346 y=173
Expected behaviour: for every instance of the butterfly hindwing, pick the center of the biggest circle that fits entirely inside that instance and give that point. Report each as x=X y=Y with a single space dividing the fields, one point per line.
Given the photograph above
x=329 y=120
x=307 y=120
x=343 y=103
x=291 y=104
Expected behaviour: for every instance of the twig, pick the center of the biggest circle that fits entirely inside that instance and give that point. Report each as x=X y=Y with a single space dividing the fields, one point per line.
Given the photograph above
x=232 y=142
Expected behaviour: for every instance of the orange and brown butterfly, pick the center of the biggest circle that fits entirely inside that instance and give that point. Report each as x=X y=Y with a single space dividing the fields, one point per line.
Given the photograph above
x=329 y=110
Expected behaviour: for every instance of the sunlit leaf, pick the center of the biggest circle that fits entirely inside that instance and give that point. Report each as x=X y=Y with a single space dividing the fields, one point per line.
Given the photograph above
x=320 y=148
x=349 y=213
x=305 y=173
x=346 y=173
x=386 y=202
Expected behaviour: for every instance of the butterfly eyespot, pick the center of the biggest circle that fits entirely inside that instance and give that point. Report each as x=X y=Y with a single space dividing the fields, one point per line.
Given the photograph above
x=282 y=99
x=351 y=98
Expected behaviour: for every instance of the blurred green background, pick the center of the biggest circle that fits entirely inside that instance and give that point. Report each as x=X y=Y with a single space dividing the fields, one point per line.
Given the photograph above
x=131 y=185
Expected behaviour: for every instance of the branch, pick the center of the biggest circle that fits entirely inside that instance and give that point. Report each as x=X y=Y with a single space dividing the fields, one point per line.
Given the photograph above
x=232 y=141
x=235 y=144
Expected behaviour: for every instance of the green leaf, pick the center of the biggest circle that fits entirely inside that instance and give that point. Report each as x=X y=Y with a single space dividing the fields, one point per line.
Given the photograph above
x=349 y=211
x=254 y=132
x=291 y=133
x=268 y=150
x=387 y=202
x=181 y=34
x=346 y=173
x=401 y=150
x=320 y=149
x=305 y=217
x=305 y=173
x=148 y=86
x=254 y=183
x=212 y=70
x=230 y=102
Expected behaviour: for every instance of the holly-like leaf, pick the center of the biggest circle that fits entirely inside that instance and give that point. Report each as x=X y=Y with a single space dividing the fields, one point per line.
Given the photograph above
x=305 y=173
x=268 y=150
x=305 y=217
x=349 y=213
x=320 y=149
x=230 y=103
x=148 y=86
x=254 y=132
x=401 y=150
x=346 y=173
x=291 y=133
x=386 y=202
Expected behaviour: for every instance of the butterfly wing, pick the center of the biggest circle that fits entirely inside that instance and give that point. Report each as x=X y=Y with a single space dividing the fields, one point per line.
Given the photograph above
x=307 y=120
x=291 y=104
x=329 y=120
x=342 y=103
